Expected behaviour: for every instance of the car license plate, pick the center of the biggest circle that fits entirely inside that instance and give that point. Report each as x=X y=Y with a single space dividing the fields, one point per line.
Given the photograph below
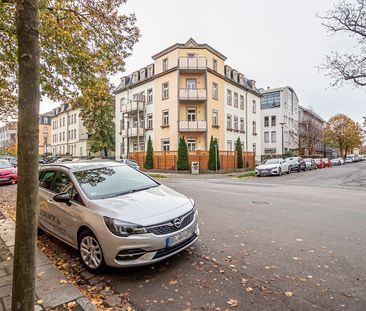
x=180 y=237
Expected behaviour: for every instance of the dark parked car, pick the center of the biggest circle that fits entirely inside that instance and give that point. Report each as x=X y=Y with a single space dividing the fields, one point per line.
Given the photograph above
x=310 y=164
x=296 y=163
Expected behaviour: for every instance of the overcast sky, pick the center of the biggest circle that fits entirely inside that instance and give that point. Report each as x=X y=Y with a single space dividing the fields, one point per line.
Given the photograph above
x=276 y=43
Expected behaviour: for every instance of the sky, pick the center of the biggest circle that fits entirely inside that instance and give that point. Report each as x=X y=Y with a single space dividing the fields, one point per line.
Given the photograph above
x=276 y=43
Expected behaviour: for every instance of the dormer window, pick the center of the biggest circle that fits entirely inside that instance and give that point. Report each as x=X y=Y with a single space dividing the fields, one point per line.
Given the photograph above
x=214 y=64
x=165 y=64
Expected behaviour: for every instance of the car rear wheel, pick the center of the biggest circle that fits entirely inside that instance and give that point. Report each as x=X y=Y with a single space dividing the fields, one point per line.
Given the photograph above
x=90 y=252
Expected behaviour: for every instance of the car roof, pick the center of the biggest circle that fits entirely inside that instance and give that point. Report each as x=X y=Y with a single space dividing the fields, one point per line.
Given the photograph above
x=82 y=165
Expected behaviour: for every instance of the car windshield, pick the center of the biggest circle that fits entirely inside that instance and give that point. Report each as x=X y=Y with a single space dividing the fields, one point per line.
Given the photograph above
x=5 y=164
x=111 y=181
x=307 y=160
x=271 y=161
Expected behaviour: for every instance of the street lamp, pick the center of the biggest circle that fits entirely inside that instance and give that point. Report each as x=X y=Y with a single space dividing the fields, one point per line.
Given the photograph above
x=282 y=124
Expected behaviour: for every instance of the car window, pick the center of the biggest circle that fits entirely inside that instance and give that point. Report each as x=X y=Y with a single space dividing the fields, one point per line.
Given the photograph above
x=5 y=164
x=46 y=179
x=61 y=183
x=73 y=193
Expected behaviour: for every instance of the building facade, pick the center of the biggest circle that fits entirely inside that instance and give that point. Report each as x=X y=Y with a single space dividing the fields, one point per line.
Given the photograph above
x=279 y=111
x=45 y=133
x=187 y=91
x=311 y=133
x=69 y=136
x=8 y=134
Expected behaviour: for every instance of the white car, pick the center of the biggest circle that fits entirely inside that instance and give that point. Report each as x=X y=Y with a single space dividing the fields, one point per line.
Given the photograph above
x=273 y=167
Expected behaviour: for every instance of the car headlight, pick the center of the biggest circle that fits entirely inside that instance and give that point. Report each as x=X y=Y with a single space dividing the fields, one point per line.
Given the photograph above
x=123 y=228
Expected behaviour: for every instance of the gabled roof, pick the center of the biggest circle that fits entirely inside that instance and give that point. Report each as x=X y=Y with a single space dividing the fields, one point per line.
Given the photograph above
x=190 y=44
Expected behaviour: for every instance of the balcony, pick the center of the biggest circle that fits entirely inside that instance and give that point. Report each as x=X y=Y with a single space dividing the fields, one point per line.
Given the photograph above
x=192 y=94
x=192 y=126
x=192 y=63
x=132 y=106
x=133 y=132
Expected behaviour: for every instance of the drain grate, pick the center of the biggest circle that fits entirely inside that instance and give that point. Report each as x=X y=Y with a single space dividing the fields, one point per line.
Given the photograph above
x=262 y=203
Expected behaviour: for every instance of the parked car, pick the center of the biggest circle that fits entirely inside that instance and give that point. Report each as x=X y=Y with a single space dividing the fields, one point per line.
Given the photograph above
x=276 y=166
x=336 y=161
x=319 y=163
x=113 y=214
x=8 y=174
x=327 y=162
x=350 y=158
x=296 y=163
x=310 y=164
x=131 y=163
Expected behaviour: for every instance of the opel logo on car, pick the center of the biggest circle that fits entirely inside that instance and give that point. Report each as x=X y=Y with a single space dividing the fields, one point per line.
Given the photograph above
x=177 y=223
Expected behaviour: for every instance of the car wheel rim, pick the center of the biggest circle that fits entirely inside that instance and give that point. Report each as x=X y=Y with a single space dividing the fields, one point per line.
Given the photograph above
x=91 y=252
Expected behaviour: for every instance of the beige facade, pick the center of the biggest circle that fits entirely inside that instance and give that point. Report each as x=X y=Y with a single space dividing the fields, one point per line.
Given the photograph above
x=184 y=93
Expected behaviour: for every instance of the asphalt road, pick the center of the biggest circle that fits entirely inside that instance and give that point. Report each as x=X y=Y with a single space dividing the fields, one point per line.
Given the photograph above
x=303 y=234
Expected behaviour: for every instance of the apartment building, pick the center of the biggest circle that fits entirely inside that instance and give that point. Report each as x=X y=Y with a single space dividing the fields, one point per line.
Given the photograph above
x=187 y=91
x=45 y=133
x=8 y=134
x=279 y=112
x=311 y=132
x=69 y=136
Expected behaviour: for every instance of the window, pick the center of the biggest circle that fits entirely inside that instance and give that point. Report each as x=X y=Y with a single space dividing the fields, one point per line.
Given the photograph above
x=150 y=121
x=74 y=133
x=215 y=118
x=191 y=55
x=242 y=102
x=191 y=143
x=270 y=151
x=165 y=64
x=47 y=179
x=215 y=93
x=272 y=100
x=68 y=119
x=60 y=122
x=254 y=106
x=142 y=146
x=266 y=137
x=214 y=64
x=62 y=181
x=191 y=114
x=149 y=72
x=273 y=120
x=165 y=145
x=135 y=149
x=149 y=96
x=228 y=97
x=45 y=130
x=254 y=128
x=290 y=100
x=236 y=123
x=229 y=145
x=273 y=136
x=241 y=125
x=266 y=121
x=165 y=117
x=165 y=90
x=236 y=100
x=191 y=84
x=63 y=135
x=228 y=122
x=63 y=121
x=254 y=148
x=122 y=125
x=134 y=121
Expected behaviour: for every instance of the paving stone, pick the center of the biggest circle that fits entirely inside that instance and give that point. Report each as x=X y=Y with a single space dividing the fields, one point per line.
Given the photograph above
x=86 y=304
x=7 y=302
x=5 y=291
x=113 y=301
x=5 y=280
x=38 y=308
x=3 y=272
x=2 y=308
x=87 y=275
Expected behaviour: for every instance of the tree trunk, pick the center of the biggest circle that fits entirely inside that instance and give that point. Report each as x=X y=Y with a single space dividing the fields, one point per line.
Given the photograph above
x=23 y=293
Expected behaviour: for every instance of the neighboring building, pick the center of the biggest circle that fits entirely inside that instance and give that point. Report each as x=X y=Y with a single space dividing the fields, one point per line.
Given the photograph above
x=8 y=134
x=279 y=112
x=45 y=133
x=187 y=91
x=69 y=136
x=311 y=132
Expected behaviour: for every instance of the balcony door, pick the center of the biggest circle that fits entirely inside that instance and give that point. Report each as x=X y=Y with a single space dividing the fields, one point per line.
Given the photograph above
x=191 y=114
x=191 y=84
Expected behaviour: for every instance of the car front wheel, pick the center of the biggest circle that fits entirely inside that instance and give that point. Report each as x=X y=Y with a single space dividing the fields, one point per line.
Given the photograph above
x=91 y=253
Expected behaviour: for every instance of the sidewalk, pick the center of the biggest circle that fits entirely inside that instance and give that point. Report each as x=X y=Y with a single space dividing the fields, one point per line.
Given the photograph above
x=53 y=291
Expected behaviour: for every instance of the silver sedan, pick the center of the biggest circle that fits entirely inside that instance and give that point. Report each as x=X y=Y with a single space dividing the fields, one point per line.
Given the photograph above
x=113 y=214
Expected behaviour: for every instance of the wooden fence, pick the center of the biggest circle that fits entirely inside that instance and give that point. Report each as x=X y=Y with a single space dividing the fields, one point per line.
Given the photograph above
x=168 y=160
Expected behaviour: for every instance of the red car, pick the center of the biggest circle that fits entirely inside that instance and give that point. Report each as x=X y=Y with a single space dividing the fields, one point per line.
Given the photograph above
x=319 y=163
x=327 y=162
x=8 y=174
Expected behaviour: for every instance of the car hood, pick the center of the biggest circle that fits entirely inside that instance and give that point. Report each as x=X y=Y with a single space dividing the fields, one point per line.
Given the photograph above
x=266 y=166
x=6 y=171
x=145 y=207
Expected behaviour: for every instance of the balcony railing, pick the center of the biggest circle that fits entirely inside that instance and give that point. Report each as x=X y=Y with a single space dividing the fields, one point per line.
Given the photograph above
x=132 y=106
x=192 y=126
x=192 y=94
x=133 y=132
x=192 y=63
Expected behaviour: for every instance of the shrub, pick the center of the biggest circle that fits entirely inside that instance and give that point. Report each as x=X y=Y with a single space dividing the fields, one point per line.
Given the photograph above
x=183 y=162
x=149 y=164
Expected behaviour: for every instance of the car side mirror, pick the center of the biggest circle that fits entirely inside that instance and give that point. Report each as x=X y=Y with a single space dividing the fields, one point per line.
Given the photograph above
x=62 y=198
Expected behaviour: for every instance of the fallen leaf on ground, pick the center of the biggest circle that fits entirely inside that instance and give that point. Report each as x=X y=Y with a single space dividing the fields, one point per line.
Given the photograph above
x=39 y=301
x=63 y=281
x=173 y=282
x=299 y=240
x=249 y=290
x=288 y=294
x=232 y=302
